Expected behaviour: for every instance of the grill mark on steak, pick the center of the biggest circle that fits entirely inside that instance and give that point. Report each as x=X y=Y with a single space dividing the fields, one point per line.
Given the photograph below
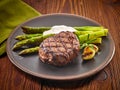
x=70 y=45
x=63 y=40
x=59 y=49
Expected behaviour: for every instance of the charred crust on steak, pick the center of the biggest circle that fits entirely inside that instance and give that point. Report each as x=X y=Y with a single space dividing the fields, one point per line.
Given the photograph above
x=59 y=49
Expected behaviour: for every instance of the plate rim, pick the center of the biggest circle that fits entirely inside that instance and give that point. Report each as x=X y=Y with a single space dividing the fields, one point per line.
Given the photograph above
x=81 y=76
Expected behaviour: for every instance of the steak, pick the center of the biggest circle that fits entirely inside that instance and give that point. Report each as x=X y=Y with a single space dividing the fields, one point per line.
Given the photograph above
x=59 y=49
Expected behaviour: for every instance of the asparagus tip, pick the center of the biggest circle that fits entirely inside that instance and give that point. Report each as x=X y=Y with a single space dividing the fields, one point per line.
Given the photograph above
x=14 y=47
x=21 y=53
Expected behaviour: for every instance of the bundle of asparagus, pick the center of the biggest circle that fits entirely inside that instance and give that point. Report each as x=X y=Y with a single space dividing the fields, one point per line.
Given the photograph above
x=34 y=35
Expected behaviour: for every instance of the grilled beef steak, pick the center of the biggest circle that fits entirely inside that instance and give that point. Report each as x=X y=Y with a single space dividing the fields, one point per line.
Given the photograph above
x=59 y=49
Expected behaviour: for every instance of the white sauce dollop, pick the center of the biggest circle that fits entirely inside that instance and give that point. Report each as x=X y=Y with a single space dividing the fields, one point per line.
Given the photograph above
x=59 y=28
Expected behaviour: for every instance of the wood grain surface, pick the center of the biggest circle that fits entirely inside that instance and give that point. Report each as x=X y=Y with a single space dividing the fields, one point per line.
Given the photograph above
x=107 y=13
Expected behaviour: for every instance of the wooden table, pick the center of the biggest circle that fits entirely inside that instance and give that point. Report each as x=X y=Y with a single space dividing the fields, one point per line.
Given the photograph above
x=103 y=11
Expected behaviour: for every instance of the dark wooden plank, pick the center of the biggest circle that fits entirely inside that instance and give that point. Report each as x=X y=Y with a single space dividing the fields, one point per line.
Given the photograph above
x=11 y=78
x=103 y=11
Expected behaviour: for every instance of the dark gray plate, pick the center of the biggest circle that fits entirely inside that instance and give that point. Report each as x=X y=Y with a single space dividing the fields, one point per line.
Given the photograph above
x=77 y=69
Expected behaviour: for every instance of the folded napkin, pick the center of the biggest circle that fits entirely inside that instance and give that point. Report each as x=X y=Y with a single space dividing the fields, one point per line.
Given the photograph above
x=13 y=13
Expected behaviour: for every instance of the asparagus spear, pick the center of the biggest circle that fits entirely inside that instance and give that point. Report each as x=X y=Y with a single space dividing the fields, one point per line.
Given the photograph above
x=29 y=50
x=35 y=49
x=33 y=40
x=33 y=30
x=97 y=34
x=26 y=36
x=89 y=28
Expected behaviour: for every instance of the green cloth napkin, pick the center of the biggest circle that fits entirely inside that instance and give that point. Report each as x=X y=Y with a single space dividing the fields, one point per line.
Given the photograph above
x=13 y=13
